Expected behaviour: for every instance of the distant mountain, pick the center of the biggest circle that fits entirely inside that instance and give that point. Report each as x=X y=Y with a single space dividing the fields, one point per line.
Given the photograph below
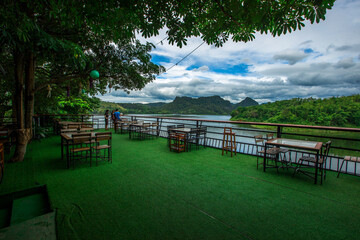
x=214 y=105
x=203 y=105
x=247 y=102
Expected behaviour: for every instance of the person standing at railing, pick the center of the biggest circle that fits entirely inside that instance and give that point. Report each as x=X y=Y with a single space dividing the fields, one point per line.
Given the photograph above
x=117 y=118
x=113 y=118
x=106 y=119
x=117 y=115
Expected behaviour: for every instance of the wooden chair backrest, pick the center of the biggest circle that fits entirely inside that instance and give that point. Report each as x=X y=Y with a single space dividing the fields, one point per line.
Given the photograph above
x=269 y=136
x=87 y=125
x=73 y=126
x=181 y=136
x=326 y=150
x=259 y=140
x=102 y=136
x=203 y=129
x=81 y=138
x=170 y=127
x=227 y=130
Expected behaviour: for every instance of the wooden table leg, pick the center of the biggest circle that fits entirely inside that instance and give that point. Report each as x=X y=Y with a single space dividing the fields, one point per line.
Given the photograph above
x=316 y=166
x=265 y=157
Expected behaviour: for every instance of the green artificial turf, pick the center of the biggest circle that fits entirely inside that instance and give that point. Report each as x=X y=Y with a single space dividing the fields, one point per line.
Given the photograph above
x=149 y=192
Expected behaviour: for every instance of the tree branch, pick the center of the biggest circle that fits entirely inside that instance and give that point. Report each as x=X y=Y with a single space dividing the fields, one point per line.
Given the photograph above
x=227 y=14
x=55 y=81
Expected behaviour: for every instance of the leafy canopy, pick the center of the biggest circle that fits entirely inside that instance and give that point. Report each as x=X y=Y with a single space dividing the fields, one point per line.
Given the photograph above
x=71 y=38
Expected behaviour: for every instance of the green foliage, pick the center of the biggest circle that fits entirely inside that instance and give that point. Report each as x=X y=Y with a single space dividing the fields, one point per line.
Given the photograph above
x=70 y=38
x=103 y=106
x=214 y=105
x=59 y=103
x=335 y=111
x=73 y=105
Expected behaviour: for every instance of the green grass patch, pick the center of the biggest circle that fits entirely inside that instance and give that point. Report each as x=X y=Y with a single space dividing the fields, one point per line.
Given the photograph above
x=149 y=192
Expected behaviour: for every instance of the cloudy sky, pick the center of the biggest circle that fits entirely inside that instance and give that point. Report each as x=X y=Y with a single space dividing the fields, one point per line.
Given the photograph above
x=321 y=60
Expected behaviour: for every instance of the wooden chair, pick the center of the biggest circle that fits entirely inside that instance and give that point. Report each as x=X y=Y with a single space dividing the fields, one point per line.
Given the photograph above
x=154 y=129
x=201 y=135
x=2 y=159
x=311 y=161
x=102 y=147
x=283 y=159
x=229 y=142
x=192 y=137
x=271 y=153
x=348 y=159
x=145 y=130
x=81 y=144
x=168 y=128
x=269 y=136
x=124 y=126
x=177 y=142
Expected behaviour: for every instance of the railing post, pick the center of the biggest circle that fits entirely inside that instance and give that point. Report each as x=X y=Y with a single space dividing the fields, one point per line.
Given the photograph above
x=157 y=127
x=279 y=131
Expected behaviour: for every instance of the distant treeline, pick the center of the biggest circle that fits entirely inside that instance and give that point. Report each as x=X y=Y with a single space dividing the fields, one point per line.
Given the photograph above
x=335 y=111
x=214 y=105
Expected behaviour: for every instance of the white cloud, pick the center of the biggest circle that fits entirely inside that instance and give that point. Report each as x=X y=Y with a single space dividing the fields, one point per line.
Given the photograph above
x=321 y=60
x=291 y=56
x=201 y=69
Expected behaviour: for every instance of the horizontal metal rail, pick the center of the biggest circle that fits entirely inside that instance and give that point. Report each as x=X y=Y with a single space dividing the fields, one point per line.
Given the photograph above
x=245 y=132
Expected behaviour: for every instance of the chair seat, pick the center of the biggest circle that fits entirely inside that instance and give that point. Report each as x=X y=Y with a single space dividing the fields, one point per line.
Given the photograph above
x=283 y=150
x=101 y=147
x=80 y=149
x=310 y=159
x=271 y=151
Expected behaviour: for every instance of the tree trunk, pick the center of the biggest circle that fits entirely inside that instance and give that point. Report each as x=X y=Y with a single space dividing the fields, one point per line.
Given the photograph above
x=24 y=118
x=29 y=87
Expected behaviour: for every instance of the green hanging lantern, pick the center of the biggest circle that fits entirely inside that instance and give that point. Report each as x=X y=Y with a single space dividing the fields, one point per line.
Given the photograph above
x=94 y=74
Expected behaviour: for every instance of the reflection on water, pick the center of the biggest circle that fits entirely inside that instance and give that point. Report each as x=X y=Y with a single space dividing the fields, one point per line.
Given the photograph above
x=244 y=134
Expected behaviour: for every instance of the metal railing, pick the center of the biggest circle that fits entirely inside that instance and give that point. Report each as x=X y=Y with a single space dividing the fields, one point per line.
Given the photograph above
x=245 y=132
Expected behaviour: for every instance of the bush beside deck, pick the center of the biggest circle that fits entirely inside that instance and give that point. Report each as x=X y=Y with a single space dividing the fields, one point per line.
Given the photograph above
x=149 y=192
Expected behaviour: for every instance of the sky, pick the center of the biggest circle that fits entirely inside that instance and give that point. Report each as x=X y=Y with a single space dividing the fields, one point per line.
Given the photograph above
x=321 y=60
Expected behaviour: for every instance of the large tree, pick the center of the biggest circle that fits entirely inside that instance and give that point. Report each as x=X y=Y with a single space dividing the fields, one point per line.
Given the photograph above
x=61 y=41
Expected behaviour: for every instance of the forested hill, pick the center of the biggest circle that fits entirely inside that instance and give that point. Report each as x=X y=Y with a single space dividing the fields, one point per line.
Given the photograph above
x=335 y=111
x=203 y=105
x=214 y=105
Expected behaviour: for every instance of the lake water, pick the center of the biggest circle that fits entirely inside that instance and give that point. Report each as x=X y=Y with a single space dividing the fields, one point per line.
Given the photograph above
x=244 y=134
x=215 y=130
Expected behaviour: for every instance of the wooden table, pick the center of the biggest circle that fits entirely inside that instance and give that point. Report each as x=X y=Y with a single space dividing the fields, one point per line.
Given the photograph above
x=138 y=128
x=123 y=125
x=187 y=131
x=66 y=140
x=297 y=144
x=65 y=124
x=71 y=130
